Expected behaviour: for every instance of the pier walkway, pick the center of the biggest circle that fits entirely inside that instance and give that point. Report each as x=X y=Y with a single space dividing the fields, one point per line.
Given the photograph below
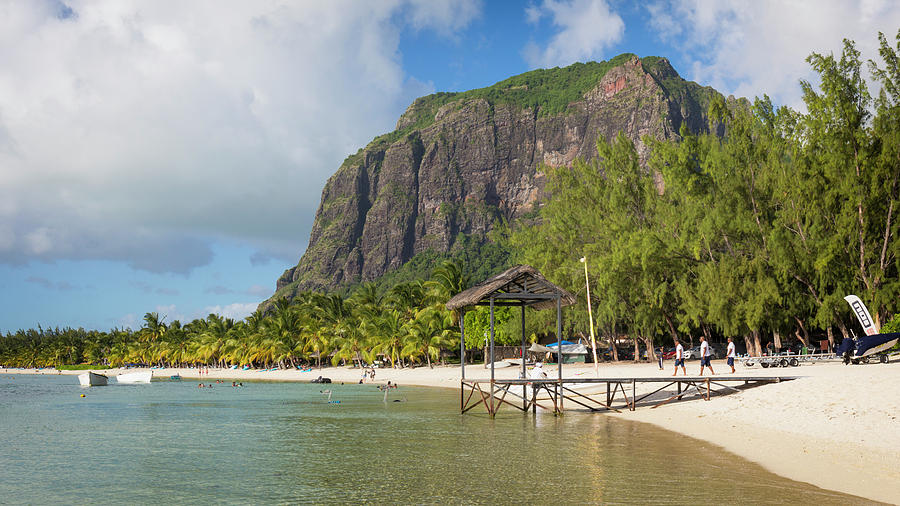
x=524 y=286
x=597 y=394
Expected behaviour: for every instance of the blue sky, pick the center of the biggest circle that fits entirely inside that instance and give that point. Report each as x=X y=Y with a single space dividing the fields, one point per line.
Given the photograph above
x=169 y=156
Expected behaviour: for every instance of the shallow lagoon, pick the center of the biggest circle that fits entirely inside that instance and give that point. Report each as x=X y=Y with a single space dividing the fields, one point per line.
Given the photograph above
x=171 y=442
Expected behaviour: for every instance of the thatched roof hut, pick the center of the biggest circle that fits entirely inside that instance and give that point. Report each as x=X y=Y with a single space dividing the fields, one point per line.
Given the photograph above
x=519 y=285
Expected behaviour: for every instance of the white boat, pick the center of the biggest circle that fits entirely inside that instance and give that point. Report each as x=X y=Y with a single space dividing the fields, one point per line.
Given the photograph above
x=135 y=377
x=92 y=379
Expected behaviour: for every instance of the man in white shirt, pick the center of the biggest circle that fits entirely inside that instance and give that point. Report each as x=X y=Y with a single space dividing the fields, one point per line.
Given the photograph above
x=679 y=358
x=731 y=354
x=538 y=372
x=705 y=356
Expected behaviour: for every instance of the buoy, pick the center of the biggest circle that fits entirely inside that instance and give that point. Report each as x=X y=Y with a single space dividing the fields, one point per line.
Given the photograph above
x=82 y=395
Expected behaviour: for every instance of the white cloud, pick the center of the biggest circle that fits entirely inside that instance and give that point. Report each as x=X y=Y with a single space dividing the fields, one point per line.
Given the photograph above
x=586 y=29
x=237 y=310
x=142 y=131
x=169 y=313
x=751 y=48
x=129 y=321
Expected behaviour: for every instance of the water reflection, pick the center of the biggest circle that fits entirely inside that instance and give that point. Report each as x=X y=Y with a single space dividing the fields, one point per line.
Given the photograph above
x=284 y=443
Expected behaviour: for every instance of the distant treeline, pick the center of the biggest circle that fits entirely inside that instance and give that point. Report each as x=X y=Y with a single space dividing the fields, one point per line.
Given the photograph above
x=407 y=325
x=759 y=233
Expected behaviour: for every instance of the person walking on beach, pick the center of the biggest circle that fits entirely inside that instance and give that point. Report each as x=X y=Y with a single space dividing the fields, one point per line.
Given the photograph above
x=679 y=358
x=730 y=354
x=705 y=356
x=660 y=351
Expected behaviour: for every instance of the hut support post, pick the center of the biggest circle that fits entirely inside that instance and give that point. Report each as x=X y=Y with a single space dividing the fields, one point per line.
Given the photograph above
x=462 y=343
x=492 y=340
x=559 y=355
x=524 y=374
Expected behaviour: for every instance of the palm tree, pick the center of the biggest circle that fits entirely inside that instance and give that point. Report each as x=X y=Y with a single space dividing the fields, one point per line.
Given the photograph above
x=408 y=297
x=446 y=281
x=428 y=333
x=387 y=332
x=154 y=329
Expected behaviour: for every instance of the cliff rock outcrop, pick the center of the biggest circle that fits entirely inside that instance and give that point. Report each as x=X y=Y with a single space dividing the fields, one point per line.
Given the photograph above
x=456 y=163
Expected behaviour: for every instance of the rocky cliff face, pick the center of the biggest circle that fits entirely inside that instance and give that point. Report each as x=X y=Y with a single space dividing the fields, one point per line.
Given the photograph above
x=458 y=162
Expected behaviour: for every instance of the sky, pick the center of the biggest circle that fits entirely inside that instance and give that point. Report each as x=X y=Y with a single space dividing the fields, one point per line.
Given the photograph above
x=169 y=156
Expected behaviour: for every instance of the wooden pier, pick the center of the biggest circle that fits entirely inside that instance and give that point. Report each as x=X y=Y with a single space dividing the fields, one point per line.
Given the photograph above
x=620 y=393
x=524 y=286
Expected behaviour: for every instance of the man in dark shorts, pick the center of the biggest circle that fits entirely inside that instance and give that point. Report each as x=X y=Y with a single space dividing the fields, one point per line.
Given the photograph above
x=731 y=354
x=705 y=356
x=679 y=358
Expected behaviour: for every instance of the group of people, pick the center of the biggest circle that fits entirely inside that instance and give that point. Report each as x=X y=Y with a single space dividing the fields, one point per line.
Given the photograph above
x=233 y=383
x=705 y=357
x=367 y=374
x=388 y=386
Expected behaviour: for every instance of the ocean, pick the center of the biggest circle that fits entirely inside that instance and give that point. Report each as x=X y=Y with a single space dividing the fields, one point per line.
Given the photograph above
x=171 y=442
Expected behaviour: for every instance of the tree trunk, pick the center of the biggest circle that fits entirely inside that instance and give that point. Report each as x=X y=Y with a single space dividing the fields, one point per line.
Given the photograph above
x=830 y=331
x=776 y=337
x=672 y=329
x=651 y=353
x=757 y=345
x=801 y=334
x=845 y=332
x=612 y=344
x=637 y=350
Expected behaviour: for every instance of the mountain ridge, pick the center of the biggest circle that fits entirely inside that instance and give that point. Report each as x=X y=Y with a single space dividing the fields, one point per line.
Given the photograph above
x=458 y=163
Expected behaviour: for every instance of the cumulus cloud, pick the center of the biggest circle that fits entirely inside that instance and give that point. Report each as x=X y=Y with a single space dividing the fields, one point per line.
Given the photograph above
x=169 y=313
x=751 y=48
x=128 y=321
x=237 y=310
x=585 y=29
x=143 y=131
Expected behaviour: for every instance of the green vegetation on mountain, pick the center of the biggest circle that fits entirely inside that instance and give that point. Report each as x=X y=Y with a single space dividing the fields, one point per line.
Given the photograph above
x=457 y=163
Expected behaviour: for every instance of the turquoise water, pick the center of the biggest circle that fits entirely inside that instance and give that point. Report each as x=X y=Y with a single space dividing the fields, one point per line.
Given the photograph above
x=171 y=442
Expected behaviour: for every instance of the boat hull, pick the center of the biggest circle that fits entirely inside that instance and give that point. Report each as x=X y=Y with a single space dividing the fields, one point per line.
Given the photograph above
x=135 y=377
x=92 y=379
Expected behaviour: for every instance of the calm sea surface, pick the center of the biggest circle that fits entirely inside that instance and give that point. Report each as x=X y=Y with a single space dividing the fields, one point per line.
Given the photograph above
x=170 y=442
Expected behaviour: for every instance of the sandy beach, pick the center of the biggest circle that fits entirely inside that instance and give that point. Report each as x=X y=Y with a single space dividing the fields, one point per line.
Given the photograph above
x=835 y=426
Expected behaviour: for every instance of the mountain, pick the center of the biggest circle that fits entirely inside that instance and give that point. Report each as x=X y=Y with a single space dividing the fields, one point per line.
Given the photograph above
x=457 y=163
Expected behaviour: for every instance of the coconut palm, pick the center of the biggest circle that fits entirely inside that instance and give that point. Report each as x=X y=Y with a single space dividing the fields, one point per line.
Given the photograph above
x=446 y=281
x=154 y=327
x=428 y=333
x=387 y=332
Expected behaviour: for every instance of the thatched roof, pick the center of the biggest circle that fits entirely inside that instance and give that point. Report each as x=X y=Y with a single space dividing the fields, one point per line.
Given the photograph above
x=522 y=284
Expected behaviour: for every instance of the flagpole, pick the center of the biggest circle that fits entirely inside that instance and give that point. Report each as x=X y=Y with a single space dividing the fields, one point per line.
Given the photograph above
x=587 y=284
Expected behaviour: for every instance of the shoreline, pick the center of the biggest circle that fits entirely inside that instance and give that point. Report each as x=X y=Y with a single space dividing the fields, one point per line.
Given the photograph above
x=836 y=427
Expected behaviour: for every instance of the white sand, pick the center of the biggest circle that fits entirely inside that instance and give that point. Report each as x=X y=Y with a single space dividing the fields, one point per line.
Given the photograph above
x=836 y=427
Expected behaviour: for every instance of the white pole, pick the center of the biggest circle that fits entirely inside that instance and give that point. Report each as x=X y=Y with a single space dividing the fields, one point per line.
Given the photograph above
x=587 y=284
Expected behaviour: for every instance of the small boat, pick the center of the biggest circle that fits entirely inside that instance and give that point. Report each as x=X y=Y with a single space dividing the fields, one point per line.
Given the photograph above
x=92 y=379
x=135 y=377
x=175 y=377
